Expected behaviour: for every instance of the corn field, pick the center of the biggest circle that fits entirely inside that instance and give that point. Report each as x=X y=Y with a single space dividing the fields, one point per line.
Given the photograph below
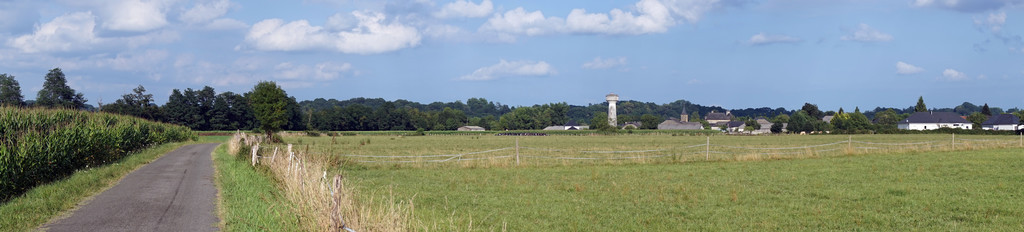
x=43 y=145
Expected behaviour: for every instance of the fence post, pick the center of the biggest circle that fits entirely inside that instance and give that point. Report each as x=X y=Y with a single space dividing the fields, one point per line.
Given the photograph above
x=953 y=144
x=517 y=151
x=254 y=149
x=849 y=145
x=337 y=222
x=707 y=149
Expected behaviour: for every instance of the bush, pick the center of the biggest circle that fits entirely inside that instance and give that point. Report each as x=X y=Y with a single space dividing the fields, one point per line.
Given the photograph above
x=42 y=145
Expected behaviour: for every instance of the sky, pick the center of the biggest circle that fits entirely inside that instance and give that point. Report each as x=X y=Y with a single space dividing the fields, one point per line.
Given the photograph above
x=730 y=53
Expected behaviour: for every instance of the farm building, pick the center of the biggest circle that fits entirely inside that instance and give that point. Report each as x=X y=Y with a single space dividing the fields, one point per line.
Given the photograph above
x=571 y=125
x=471 y=128
x=735 y=126
x=934 y=120
x=718 y=118
x=827 y=119
x=1002 y=122
x=675 y=124
x=766 y=127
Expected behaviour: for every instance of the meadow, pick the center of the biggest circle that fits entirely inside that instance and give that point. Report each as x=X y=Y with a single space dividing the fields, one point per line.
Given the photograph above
x=664 y=182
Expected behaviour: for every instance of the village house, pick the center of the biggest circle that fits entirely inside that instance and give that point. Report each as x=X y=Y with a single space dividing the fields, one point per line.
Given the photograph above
x=571 y=125
x=934 y=120
x=736 y=126
x=682 y=123
x=718 y=119
x=1002 y=122
x=766 y=127
x=471 y=128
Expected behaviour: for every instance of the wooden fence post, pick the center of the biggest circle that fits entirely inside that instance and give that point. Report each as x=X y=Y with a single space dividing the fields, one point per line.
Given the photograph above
x=953 y=144
x=707 y=149
x=517 y=151
x=337 y=222
x=254 y=150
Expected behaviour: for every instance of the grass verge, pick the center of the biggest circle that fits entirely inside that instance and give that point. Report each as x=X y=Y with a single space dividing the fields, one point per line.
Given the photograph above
x=46 y=202
x=249 y=199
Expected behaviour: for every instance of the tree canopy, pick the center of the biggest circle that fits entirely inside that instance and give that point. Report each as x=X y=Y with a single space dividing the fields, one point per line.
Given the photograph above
x=920 y=107
x=269 y=103
x=57 y=94
x=10 y=91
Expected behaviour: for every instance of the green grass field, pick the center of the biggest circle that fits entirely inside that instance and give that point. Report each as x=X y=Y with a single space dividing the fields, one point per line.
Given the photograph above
x=860 y=182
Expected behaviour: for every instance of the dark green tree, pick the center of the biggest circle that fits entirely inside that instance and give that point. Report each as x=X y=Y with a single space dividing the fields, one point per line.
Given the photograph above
x=138 y=104
x=977 y=118
x=269 y=103
x=887 y=119
x=10 y=91
x=800 y=122
x=776 y=127
x=57 y=94
x=812 y=111
x=920 y=107
x=986 y=111
x=600 y=122
x=650 y=121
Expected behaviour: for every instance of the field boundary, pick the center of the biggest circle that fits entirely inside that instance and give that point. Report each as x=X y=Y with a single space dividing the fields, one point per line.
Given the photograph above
x=693 y=152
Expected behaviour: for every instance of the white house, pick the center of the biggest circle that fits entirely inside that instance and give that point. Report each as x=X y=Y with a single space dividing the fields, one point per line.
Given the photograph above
x=934 y=120
x=1002 y=122
x=571 y=125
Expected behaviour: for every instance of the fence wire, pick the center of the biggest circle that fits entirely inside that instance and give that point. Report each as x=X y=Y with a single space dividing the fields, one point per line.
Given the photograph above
x=708 y=150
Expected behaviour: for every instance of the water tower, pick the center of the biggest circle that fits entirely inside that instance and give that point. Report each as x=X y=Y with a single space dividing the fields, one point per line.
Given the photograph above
x=612 y=99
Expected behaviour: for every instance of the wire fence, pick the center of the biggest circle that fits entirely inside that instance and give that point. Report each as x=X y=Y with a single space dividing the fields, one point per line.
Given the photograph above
x=707 y=151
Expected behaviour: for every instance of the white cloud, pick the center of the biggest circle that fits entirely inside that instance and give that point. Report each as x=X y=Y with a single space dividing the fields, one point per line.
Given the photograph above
x=515 y=68
x=320 y=72
x=135 y=15
x=765 y=39
x=465 y=8
x=994 y=22
x=693 y=10
x=372 y=35
x=653 y=17
x=204 y=12
x=134 y=61
x=905 y=68
x=953 y=75
x=865 y=33
x=73 y=31
x=602 y=63
x=518 y=21
x=275 y=35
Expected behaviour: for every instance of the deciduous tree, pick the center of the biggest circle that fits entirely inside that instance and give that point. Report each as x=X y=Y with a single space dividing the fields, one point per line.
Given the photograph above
x=10 y=91
x=57 y=94
x=269 y=102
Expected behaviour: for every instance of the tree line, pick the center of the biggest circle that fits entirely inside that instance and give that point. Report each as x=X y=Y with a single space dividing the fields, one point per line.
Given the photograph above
x=205 y=109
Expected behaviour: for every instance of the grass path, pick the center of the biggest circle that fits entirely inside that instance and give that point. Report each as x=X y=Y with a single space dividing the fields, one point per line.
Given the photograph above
x=962 y=190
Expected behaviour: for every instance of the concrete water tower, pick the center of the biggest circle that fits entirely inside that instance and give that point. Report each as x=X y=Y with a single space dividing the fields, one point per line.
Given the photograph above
x=612 y=99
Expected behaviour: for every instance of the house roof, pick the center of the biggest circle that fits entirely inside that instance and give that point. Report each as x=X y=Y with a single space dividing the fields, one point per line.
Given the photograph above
x=935 y=117
x=677 y=125
x=763 y=121
x=572 y=123
x=1002 y=119
x=717 y=116
x=737 y=124
x=827 y=118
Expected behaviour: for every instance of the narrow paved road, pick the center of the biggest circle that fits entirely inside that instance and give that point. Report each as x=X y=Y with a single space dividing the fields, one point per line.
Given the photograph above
x=174 y=193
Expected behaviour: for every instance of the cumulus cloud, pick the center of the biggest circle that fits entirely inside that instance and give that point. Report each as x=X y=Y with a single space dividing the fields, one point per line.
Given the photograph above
x=464 y=8
x=67 y=32
x=134 y=15
x=967 y=5
x=646 y=17
x=993 y=22
x=865 y=33
x=320 y=72
x=204 y=12
x=652 y=17
x=371 y=35
x=953 y=75
x=604 y=63
x=906 y=69
x=765 y=39
x=514 y=68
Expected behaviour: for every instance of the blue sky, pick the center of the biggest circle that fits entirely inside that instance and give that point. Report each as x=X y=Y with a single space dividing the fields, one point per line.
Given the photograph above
x=731 y=53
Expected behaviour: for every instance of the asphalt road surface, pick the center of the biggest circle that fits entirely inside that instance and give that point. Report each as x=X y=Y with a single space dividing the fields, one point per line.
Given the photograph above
x=174 y=193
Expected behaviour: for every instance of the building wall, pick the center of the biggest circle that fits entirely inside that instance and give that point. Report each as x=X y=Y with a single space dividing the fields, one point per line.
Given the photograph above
x=1001 y=127
x=932 y=126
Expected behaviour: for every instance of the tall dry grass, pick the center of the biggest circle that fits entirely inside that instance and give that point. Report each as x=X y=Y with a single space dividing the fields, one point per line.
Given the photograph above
x=320 y=197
